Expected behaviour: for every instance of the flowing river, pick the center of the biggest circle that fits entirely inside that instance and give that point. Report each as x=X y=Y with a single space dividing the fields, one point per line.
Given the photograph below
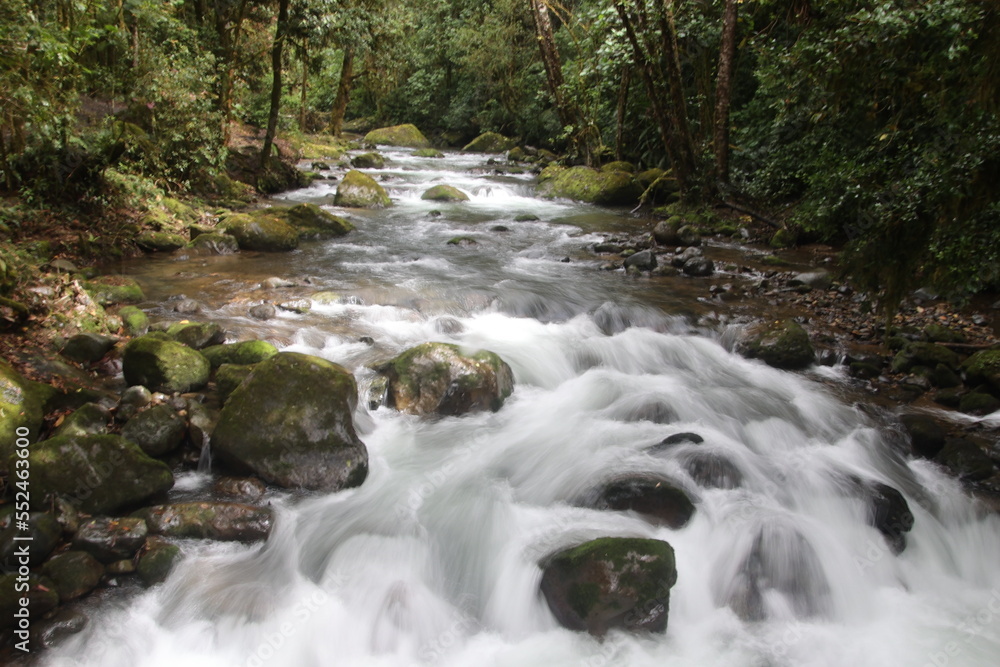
x=433 y=560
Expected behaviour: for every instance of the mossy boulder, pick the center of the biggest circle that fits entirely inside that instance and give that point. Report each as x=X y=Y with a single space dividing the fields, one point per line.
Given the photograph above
x=43 y=532
x=358 y=190
x=608 y=188
x=550 y=172
x=158 y=430
x=160 y=241
x=983 y=367
x=783 y=344
x=267 y=233
x=490 y=142
x=314 y=223
x=22 y=404
x=41 y=594
x=197 y=335
x=407 y=136
x=74 y=573
x=918 y=353
x=655 y=497
x=215 y=244
x=290 y=422
x=134 y=321
x=244 y=352
x=966 y=459
x=209 y=520
x=164 y=365
x=444 y=193
x=611 y=583
x=109 y=290
x=428 y=152
x=97 y=473
x=157 y=560
x=368 y=161
x=441 y=378
x=180 y=210
x=88 y=419
x=229 y=377
x=619 y=165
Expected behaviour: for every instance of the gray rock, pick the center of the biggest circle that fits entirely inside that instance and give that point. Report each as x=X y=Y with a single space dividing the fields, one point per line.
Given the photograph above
x=111 y=539
x=209 y=520
x=699 y=267
x=87 y=348
x=158 y=430
x=644 y=261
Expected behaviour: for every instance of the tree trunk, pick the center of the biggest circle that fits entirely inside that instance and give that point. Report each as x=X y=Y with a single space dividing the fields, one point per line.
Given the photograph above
x=305 y=87
x=724 y=93
x=623 y=91
x=272 y=116
x=680 y=131
x=229 y=31
x=343 y=93
x=651 y=77
x=550 y=59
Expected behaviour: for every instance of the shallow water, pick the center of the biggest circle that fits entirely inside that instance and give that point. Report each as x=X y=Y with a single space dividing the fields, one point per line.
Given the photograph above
x=433 y=560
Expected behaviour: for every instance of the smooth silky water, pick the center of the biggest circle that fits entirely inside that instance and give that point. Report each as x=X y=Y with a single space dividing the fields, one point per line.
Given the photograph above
x=433 y=560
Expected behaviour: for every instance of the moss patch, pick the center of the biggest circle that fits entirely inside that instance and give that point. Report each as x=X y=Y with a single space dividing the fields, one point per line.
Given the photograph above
x=398 y=135
x=358 y=190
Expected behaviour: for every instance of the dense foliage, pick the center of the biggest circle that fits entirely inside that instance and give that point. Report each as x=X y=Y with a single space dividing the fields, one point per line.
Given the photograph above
x=866 y=122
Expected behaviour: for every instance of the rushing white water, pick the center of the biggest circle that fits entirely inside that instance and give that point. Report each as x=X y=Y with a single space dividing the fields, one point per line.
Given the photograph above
x=433 y=560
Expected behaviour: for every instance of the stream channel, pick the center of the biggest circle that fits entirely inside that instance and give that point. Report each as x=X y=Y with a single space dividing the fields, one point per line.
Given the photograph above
x=434 y=559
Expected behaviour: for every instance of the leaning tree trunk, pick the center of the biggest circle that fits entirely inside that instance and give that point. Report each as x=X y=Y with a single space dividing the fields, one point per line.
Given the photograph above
x=343 y=93
x=623 y=91
x=724 y=93
x=272 y=116
x=567 y=111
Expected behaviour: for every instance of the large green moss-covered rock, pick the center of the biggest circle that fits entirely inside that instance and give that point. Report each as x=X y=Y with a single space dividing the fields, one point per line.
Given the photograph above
x=197 y=335
x=368 y=161
x=358 y=190
x=98 y=473
x=160 y=241
x=398 y=135
x=75 y=573
x=164 y=365
x=917 y=353
x=439 y=378
x=612 y=582
x=205 y=520
x=158 y=430
x=109 y=290
x=783 y=344
x=983 y=367
x=157 y=560
x=315 y=223
x=490 y=142
x=134 y=321
x=260 y=231
x=444 y=193
x=291 y=423
x=22 y=405
x=215 y=244
x=608 y=188
x=242 y=353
